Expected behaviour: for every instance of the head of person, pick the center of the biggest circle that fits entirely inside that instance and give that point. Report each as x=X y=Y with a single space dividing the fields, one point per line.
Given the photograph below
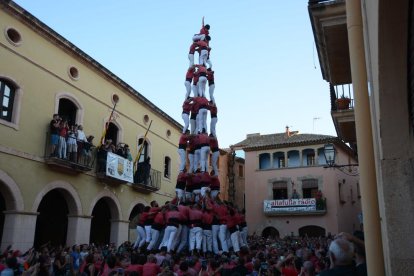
x=55 y=116
x=207 y=26
x=154 y=203
x=208 y=38
x=308 y=268
x=341 y=252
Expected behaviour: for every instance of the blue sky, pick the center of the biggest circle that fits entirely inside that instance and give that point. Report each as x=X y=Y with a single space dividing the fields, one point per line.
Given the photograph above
x=266 y=67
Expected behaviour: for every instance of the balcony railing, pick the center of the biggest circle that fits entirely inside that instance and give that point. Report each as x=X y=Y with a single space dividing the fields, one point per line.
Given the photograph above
x=298 y=207
x=70 y=162
x=152 y=184
x=342 y=97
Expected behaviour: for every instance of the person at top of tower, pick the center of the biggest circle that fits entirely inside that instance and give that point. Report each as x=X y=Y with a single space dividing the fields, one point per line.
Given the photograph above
x=204 y=32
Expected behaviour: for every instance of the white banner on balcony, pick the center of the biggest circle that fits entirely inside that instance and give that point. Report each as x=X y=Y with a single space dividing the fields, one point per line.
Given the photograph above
x=119 y=167
x=289 y=205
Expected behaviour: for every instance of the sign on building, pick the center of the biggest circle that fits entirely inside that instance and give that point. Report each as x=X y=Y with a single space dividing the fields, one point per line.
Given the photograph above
x=119 y=167
x=289 y=205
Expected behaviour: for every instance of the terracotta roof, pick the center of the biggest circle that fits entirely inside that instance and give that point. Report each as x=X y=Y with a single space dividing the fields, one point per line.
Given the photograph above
x=282 y=140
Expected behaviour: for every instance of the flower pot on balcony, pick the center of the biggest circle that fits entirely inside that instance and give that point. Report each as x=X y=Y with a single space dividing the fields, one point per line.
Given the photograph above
x=343 y=103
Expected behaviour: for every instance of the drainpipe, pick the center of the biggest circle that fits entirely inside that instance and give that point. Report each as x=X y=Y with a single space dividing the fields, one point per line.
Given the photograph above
x=366 y=160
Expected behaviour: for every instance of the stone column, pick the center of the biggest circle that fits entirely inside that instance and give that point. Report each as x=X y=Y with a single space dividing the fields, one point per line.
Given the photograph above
x=19 y=230
x=79 y=229
x=119 y=231
x=369 y=193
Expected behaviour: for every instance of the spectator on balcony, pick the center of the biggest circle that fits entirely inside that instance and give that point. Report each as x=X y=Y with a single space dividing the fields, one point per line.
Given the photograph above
x=54 y=134
x=102 y=153
x=128 y=153
x=71 y=144
x=80 y=140
x=295 y=194
x=87 y=150
x=63 y=133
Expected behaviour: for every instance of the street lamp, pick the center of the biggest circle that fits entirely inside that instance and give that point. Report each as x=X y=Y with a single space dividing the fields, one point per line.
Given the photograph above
x=329 y=152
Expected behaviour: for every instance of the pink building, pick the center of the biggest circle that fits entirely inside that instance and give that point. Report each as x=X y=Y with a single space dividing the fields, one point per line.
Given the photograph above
x=291 y=191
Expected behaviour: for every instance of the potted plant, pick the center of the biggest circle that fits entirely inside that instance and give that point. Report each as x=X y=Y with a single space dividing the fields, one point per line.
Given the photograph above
x=343 y=102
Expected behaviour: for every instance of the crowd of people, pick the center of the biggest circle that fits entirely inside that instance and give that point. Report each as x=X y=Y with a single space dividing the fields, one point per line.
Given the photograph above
x=303 y=256
x=69 y=142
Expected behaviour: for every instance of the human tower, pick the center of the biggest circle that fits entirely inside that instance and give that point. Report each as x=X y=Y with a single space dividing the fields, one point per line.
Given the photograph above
x=196 y=220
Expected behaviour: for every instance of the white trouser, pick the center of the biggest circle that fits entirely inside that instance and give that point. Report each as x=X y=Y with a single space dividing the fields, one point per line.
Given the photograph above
x=196 y=238
x=186 y=119
x=181 y=153
x=202 y=81
x=243 y=235
x=207 y=241
x=214 y=193
x=177 y=237
x=202 y=119
x=191 y=59
x=147 y=233
x=188 y=196
x=193 y=125
x=203 y=191
x=140 y=237
x=191 y=161
x=62 y=147
x=155 y=234
x=213 y=123
x=183 y=238
x=198 y=37
x=204 y=152
x=211 y=92
x=196 y=194
x=215 y=231
x=234 y=237
x=195 y=90
x=180 y=194
x=196 y=159
x=210 y=65
x=187 y=85
x=222 y=237
x=202 y=59
x=214 y=158
x=169 y=236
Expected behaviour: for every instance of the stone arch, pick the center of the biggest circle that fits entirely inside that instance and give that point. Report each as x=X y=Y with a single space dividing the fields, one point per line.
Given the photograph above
x=113 y=202
x=312 y=231
x=69 y=193
x=73 y=99
x=115 y=120
x=11 y=192
x=134 y=203
x=270 y=231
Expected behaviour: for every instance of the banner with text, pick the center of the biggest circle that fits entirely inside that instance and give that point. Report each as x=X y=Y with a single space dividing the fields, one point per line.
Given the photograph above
x=289 y=205
x=119 y=167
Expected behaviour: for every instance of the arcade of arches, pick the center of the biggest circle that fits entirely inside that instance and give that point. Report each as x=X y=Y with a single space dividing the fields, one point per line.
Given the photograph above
x=57 y=218
x=309 y=230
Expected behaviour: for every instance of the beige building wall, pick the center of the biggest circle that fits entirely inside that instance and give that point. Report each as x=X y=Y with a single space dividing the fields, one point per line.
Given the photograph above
x=39 y=66
x=342 y=208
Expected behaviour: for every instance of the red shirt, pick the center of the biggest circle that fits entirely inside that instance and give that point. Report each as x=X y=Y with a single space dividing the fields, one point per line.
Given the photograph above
x=202 y=71
x=143 y=217
x=204 y=30
x=195 y=215
x=134 y=267
x=172 y=216
x=181 y=180
x=150 y=269
x=221 y=212
x=187 y=104
x=196 y=181
x=183 y=213
x=205 y=179
x=202 y=44
x=210 y=77
x=207 y=217
x=203 y=102
x=231 y=221
x=288 y=271
x=159 y=218
x=189 y=74
x=214 y=183
x=213 y=144
x=203 y=139
x=182 y=143
x=193 y=48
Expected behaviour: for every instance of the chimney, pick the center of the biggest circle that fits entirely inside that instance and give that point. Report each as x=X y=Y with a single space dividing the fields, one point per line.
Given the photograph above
x=287 y=131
